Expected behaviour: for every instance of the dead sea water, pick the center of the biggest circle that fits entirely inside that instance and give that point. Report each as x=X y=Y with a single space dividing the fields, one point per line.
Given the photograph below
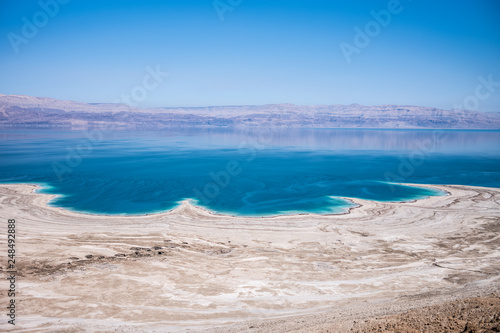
x=253 y=172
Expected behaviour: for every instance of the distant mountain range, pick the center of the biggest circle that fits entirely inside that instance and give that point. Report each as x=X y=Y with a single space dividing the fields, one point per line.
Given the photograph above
x=26 y=111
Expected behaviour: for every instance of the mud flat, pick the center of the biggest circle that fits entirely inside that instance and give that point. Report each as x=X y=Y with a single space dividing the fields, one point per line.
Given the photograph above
x=383 y=263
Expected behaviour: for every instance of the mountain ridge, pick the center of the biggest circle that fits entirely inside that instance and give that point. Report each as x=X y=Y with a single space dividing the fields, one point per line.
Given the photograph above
x=27 y=111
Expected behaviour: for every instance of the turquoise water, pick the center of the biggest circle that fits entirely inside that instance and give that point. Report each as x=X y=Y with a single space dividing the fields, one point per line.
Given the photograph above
x=244 y=172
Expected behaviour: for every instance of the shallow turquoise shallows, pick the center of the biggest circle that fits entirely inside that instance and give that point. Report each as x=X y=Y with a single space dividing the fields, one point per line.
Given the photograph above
x=254 y=172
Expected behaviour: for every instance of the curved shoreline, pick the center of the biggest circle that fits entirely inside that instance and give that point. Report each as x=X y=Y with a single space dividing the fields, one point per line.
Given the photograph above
x=190 y=268
x=189 y=201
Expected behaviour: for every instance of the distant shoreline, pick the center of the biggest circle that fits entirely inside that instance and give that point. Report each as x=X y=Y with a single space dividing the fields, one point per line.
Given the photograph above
x=21 y=111
x=232 y=127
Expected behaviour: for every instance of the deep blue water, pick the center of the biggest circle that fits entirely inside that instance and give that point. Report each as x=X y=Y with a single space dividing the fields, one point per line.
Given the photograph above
x=244 y=172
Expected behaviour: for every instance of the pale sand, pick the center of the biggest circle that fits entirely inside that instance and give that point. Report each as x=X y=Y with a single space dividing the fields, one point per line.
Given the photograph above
x=301 y=273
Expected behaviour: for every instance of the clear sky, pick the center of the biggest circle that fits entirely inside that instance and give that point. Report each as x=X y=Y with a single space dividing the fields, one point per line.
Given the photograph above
x=227 y=52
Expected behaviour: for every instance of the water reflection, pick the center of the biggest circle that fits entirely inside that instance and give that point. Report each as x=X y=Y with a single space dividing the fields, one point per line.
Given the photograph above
x=294 y=138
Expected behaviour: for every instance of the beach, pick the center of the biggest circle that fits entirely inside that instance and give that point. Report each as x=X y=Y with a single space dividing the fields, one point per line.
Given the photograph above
x=193 y=270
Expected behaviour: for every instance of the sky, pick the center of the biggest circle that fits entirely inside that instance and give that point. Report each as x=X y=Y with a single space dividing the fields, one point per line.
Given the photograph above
x=153 y=53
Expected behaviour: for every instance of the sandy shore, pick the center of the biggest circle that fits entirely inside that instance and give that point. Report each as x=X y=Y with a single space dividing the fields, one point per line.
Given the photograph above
x=189 y=269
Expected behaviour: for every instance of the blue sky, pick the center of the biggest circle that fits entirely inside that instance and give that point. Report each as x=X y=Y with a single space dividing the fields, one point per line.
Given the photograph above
x=431 y=53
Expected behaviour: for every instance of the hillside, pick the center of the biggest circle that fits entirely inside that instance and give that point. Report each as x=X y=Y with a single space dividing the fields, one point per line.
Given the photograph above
x=26 y=111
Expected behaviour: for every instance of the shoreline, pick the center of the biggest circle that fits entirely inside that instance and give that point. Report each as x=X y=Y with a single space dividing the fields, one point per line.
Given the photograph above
x=191 y=269
x=189 y=201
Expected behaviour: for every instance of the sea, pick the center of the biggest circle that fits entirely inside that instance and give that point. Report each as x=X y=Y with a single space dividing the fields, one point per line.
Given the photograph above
x=251 y=171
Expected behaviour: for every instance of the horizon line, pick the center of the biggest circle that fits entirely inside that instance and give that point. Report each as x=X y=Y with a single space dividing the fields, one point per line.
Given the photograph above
x=242 y=105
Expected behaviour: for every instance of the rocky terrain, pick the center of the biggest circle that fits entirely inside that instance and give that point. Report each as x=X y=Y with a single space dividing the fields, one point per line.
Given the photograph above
x=476 y=314
x=430 y=265
x=26 y=111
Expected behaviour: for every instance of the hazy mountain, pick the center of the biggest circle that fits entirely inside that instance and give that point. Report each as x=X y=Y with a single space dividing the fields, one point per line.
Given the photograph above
x=27 y=111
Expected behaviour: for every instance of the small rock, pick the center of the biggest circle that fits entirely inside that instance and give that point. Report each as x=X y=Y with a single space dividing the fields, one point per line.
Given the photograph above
x=135 y=248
